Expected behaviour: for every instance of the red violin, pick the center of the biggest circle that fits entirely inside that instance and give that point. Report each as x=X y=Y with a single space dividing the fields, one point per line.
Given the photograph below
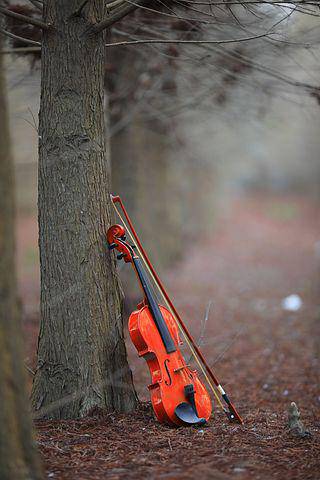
x=178 y=395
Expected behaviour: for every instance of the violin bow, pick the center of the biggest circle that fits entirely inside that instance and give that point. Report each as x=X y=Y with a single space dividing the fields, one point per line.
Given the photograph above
x=230 y=409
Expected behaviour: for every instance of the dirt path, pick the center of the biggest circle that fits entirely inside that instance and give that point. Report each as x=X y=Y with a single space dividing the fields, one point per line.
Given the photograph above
x=263 y=250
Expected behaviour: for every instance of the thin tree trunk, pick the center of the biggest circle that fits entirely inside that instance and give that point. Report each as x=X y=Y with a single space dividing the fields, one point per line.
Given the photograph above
x=82 y=361
x=18 y=456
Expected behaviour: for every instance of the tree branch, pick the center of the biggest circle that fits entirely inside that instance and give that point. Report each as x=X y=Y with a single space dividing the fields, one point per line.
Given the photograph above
x=27 y=41
x=188 y=42
x=24 y=18
x=37 y=4
x=115 y=3
x=116 y=16
x=7 y=51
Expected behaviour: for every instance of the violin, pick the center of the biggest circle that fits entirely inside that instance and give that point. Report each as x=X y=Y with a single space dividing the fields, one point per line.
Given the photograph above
x=178 y=396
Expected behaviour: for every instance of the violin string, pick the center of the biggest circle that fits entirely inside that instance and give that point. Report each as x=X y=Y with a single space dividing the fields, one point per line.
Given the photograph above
x=170 y=309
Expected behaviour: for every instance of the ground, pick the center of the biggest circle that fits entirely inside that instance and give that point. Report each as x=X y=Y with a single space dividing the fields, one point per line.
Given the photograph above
x=262 y=249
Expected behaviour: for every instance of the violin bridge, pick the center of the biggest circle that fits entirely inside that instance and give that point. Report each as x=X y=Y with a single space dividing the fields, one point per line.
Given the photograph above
x=176 y=370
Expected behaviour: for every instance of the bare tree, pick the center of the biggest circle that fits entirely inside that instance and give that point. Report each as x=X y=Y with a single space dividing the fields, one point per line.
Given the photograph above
x=18 y=456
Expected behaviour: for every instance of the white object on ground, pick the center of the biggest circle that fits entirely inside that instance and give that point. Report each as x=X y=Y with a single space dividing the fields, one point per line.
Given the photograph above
x=292 y=303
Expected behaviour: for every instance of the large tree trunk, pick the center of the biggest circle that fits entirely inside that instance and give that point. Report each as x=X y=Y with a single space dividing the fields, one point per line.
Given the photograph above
x=18 y=456
x=82 y=360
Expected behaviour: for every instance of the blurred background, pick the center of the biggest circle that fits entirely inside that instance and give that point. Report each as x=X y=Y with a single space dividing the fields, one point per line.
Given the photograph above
x=215 y=152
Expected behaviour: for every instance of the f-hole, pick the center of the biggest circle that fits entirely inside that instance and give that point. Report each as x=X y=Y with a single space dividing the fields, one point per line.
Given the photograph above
x=168 y=373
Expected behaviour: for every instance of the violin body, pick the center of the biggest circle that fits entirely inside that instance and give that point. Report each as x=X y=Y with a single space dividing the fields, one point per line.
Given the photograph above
x=170 y=374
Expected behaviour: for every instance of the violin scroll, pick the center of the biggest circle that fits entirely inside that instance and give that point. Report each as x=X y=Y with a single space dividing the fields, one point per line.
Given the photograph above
x=117 y=240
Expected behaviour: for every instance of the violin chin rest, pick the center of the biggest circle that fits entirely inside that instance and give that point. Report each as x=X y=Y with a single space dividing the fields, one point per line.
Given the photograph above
x=187 y=415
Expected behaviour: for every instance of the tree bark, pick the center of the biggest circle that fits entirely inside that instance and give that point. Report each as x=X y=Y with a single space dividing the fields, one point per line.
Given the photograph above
x=82 y=360
x=18 y=456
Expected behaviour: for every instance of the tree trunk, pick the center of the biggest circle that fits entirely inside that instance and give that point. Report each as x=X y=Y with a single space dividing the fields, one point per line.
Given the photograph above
x=18 y=456
x=82 y=361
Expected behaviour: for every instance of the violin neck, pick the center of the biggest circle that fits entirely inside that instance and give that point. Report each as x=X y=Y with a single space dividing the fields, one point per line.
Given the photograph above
x=154 y=307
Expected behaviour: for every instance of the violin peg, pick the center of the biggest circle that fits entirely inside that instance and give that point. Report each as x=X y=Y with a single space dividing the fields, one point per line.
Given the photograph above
x=111 y=246
x=120 y=256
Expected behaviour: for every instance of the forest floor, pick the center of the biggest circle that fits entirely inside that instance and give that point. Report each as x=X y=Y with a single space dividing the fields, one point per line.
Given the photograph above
x=262 y=250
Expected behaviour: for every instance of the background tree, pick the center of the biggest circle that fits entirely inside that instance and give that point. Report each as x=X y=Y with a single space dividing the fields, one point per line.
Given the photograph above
x=18 y=456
